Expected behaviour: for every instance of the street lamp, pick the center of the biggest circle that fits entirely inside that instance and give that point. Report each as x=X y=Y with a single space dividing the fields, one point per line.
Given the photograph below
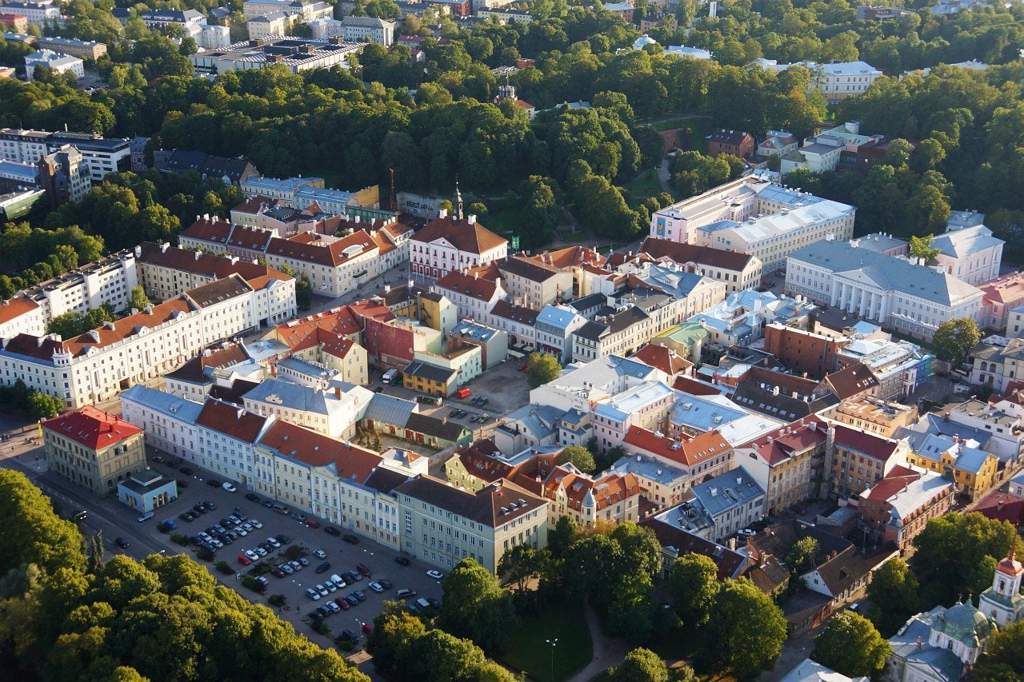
x=552 y=643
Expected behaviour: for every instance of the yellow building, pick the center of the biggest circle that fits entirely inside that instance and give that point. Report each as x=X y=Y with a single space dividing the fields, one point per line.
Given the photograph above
x=430 y=379
x=972 y=470
x=872 y=415
x=93 y=449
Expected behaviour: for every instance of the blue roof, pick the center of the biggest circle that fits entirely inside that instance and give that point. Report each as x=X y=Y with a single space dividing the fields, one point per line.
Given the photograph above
x=307 y=368
x=649 y=468
x=289 y=395
x=166 y=403
x=540 y=421
x=556 y=316
x=475 y=330
x=726 y=491
x=971 y=459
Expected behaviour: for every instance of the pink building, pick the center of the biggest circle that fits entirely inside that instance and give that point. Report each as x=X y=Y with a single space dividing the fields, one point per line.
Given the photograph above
x=1001 y=296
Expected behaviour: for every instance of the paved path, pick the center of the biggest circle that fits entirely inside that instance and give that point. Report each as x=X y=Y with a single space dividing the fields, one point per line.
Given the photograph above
x=606 y=652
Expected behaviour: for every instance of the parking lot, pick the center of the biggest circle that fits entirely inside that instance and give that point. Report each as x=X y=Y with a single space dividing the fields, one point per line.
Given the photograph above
x=302 y=542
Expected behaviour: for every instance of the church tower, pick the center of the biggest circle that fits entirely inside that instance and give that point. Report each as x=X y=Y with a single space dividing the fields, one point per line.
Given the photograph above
x=1003 y=601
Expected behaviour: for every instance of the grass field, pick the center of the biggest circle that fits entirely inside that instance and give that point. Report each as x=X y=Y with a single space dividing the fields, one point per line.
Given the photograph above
x=642 y=186
x=528 y=652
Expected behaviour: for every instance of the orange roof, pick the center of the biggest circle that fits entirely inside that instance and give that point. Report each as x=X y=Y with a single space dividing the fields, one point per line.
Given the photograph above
x=463 y=235
x=663 y=358
x=197 y=262
x=477 y=283
x=312 y=248
x=112 y=332
x=231 y=420
x=317 y=329
x=607 y=490
x=92 y=428
x=688 y=452
x=308 y=447
x=209 y=231
x=777 y=446
x=1008 y=289
x=15 y=307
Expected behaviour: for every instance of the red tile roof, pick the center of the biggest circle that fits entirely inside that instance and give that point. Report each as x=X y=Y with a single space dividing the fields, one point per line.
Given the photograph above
x=686 y=452
x=568 y=257
x=690 y=253
x=16 y=307
x=694 y=387
x=209 y=230
x=864 y=443
x=315 y=330
x=349 y=462
x=92 y=428
x=478 y=283
x=463 y=235
x=663 y=358
x=779 y=445
x=312 y=248
x=893 y=482
x=231 y=420
x=251 y=238
x=196 y=262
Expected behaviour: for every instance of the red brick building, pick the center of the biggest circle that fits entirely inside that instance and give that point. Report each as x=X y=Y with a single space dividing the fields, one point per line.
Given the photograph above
x=735 y=142
x=897 y=508
x=802 y=351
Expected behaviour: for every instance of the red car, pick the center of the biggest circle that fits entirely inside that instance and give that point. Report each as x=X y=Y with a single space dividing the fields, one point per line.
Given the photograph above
x=342 y=603
x=312 y=523
x=367 y=628
x=244 y=560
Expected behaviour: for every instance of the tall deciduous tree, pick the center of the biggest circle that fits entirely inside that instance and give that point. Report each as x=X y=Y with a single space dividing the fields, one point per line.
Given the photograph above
x=475 y=605
x=746 y=627
x=850 y=644
x=693 y=585
x=542 y=368
x=579 y=457
x=955 y=338
x=893 y=593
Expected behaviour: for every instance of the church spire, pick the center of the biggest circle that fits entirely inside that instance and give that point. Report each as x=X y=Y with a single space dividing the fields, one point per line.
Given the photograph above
x=457 y=204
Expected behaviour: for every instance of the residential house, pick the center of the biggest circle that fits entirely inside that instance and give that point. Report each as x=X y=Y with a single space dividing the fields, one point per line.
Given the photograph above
x=859 y=459
x=737 y=270
x=788 y=463
x=720 y=506
x=579 y=386
x=873 y=415
x=555 y=326
x=690 y=460
x=93 y=449
x=735 y=142
x=697 y=414
x=333 y=411
x=972 y=470
x=533 y=284
x=898 y=507
x=528 y=426
x=646 y=405
x=1003 y=296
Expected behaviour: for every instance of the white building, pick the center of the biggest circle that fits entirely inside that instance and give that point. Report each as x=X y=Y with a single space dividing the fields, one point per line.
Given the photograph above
x=40 y=13
x=967 y=250
x=581 y=385
x=100 y=155
x=98 y=364
x=753 y=216
x=334 y=265
x=836 y=81
x=368 y=30
x=646 y=405
x=214 y=37
x=276 y=25
x=55 y=61
x=447 y=244
x=333 y=411
x=895 y=293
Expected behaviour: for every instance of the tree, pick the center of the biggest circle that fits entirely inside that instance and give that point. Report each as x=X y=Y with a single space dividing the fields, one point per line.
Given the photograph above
x=748 y=629
x=303 y=293
x=395 y=630
x=801 y=554
x=43 y=405
x=957 y=555
x=440 y=657
x=893 y=593
x=1004 y=655
x=33 y=533
x=475 y=605
x=640 y=665
x=693 y=585
x=139 y=300
x=521 y=565
x=955 y=338
x=542 y=368
x=73 y=323
x=921 y=247
x=851 y=645
x=561 y=537
x=579 y=457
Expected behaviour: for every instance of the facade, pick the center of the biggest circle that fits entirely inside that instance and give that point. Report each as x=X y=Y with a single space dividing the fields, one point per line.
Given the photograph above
x=836 y=81
x=447 y=244
x=1001 y=307
x=753 y=216
x=474 y=291
x=646 y=405
x=897 y=294
x=872 y=415
x=64 y=175
x=691 y=460
x=146 y=491
x=897 y=508
x=55 y=61
x=737 y=271
x=581 y=386
x=859 y=460
x=971 y=469
x=332 y=411
x=93 y=449
x=967 y=250
x=735 y=142
x=295 y=54
x=788 y=463
x=532 y=284
x=940 y=645
x=431 y=379
x=441 y=524
x=368 y=30
x=83 y=49
x=100 y=363
x=777 y=143
x=334 y=266
x=38 y=13
x=1003 y=602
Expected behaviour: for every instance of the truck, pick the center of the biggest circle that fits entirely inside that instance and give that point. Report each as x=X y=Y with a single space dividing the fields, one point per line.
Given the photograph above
x=463 y=393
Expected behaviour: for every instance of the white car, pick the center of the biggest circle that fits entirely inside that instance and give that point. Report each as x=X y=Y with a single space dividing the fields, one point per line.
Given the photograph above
x=313 y=594
x=230 y=487
x=251 y=555
x=436 y=575
x=274 y=543
x=319 y=554
x=375 y=586
x=241 y=531
x=262 y=552
x=256 y=524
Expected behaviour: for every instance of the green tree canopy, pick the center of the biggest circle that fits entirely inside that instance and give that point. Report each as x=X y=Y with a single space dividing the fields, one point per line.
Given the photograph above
x=579 y=456
x=693 y=585
x=851 y=645
x=954 y=339
x=640 y=665
x=542 y=368
x=475 y=605
x=893 y=592
x=747 y=628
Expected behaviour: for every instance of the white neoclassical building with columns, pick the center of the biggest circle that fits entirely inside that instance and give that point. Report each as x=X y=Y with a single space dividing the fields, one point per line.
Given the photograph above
x=894 y=292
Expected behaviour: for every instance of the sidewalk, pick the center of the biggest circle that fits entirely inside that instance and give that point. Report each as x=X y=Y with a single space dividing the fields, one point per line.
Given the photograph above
x=606 y=650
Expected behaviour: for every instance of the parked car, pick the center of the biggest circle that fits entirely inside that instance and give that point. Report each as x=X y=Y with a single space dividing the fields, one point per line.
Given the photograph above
x=376 y=587
x=385 y=583
x=331 y=530
x=405 y=593
x=435 y=574
x=340 y=601
x=230 y=487
x=252 y=497
x=312 y=594
x=122 y=543
x=324 y=567
x=213 y=482
x=352 y=601
x=350 y=539
x=402 y=561
x=364 y=569
x=312 y=523
x=319 y=554
x=186 y=470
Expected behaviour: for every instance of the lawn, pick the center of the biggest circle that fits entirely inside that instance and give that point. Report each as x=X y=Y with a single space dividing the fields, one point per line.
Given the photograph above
x=528 y=652
x=643 y=185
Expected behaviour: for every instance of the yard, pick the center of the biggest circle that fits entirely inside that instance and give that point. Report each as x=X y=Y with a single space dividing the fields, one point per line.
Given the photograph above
x=528 y=651
x=642 y=186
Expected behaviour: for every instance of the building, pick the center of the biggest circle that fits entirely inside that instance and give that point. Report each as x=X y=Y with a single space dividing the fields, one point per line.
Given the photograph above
x=448 y=244
x=295 y=54
x=720 y=506
x=580 y=386
x=691 y=459
x=1003 y=299
x=83 y=49
x=836 y=81
x=54 y=61
x=812 y=671
x=812 y=354
x=64 y=175
x=228 y=170
x=368 y=30
x=972 y=470
x=532 y=284
x=939 y=645
x=753 y=216
x=788 y=463
x=93 y=449
x=1003 y=602
x=333 y=265
x=332 y=410
x=608 y=498
x=219 y=366
x=645 y=405
x=13 y=22
x=967 y=250
x=742 y=318
x=100 y=363
x=442 y=524
x=146 y=491
x=528 y=426
x=736 y=270
x=777 y=143
x=859 y=460
x=897 y=508
x=697 y=414
x=188 y=21
x=166 y=271
x=302 y=10
x=466 y=360
x=873 y=415
x=431 y=379
x=735 y=142
x=275 y=25
x=39 y=13
x=305 y=193
x=493 y=343
x=901 y=367
x=897 y=294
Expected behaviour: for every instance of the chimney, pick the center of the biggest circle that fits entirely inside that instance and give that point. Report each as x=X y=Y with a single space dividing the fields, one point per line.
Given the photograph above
x=337 y=392
x=471 y=219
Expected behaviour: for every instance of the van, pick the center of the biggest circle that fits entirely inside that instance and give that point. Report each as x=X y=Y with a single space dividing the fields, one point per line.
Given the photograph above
x=403 y=593
x=463 y=393
x=145 y=517
x=390 y=376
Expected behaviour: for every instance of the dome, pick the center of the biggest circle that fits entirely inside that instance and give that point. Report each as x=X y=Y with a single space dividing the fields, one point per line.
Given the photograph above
x=1010 y=566
x=965 y=623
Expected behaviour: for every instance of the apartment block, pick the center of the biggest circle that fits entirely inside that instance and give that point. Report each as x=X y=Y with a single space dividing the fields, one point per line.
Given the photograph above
x=789 y=463
x=93 y=449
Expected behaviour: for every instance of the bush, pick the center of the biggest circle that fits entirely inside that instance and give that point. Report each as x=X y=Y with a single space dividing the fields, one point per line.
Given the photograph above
x=277 y=600
x=205 y=553
x=251 y=583
x=293 y=552
x=260 y=569
x=224 y=567
x=320 y=627
x=179 y=539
